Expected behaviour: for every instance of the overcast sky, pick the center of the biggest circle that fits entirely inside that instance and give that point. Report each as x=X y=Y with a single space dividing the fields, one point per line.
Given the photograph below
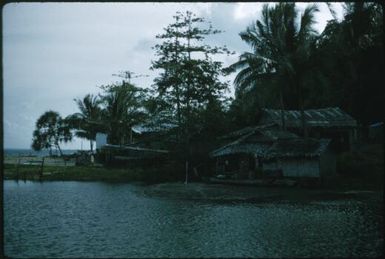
x=55 y=52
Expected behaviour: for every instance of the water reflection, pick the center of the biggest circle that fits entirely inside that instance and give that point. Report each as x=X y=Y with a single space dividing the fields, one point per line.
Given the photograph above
x=79 y=219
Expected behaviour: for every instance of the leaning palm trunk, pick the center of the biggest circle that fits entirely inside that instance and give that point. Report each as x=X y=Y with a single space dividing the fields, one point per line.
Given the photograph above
x=58 y=147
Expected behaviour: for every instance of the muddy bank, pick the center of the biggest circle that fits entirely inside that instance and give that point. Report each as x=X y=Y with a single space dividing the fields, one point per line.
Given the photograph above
x=220 y=192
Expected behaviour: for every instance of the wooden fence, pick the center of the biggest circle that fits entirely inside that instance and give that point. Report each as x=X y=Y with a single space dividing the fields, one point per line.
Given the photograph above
x=39 y=163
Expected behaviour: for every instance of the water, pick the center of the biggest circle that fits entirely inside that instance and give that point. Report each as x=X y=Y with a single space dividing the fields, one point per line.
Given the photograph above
x=91 y=219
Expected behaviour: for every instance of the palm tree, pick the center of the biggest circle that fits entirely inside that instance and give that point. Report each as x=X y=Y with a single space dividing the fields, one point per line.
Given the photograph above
x=281 y=49
x=122 y=109
x=87 y=121
x=358 y=38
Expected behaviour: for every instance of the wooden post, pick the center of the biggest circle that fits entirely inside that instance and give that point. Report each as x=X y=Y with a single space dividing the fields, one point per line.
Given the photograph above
x=196 y=172
x=17 y=168
x=186 y=172
x=41 y=169
x=25 y=176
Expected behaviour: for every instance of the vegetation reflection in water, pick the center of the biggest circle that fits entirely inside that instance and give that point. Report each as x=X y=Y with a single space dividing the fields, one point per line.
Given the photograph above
x=80 y=219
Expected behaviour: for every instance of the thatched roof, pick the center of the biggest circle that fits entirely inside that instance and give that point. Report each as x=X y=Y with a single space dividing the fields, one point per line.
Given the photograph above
x=255 y=140
x=246 y=148
x=297 y=148
x=327 y=117
x=271 y=131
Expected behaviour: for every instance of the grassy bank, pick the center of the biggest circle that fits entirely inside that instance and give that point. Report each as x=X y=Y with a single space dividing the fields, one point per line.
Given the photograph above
x=92 y=173
x=152 y=175
x=357 y=170
x=362 y=167
x=342 y=182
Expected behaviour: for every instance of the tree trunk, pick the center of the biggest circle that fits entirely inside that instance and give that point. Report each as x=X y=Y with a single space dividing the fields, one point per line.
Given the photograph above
x=302 y=104
x=177 y=90
x=283 y=125
x=178 y=112
x=186 y=179
x=188 y=95
x=58 y=147
x=91 y=145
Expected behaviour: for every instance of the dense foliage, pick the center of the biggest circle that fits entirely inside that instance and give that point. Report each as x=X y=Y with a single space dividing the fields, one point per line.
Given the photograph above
x=50 y=130
x=290 y=66
x=122 y=108
x=350 y=54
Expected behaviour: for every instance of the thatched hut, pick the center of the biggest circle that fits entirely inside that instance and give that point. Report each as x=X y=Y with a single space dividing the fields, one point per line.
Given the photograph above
x=301 y=158
x=332 y=123
x=243 y=157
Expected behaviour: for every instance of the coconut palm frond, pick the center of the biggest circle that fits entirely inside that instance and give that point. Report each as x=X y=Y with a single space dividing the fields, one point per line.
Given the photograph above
x=280 y=47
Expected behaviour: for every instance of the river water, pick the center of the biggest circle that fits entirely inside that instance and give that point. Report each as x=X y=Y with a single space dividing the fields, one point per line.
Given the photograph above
x=94 y=219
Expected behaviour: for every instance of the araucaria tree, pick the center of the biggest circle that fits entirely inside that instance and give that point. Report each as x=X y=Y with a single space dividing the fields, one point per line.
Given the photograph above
x=189 y=80
x=50 y=131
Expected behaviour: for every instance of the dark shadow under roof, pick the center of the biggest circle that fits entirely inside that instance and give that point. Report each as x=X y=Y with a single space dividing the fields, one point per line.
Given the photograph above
x=253 y=140
x=297 y=148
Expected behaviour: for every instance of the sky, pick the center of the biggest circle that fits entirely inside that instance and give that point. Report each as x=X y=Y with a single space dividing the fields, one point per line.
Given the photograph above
x=56 y=52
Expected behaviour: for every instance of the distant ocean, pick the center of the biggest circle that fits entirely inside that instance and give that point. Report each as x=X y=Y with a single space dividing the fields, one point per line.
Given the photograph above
x=26 y=152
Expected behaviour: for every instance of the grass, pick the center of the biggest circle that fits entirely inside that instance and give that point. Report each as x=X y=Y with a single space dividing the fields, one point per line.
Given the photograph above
x=360 y=169
x=93 y=173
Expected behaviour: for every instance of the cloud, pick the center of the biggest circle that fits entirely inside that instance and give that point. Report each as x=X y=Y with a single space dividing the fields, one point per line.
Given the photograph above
x=247 y=10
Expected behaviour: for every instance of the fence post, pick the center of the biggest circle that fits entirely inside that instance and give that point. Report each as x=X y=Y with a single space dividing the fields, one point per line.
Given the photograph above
x=25 y=175
x=17 y=167
x=41 y=168
x=186 y=172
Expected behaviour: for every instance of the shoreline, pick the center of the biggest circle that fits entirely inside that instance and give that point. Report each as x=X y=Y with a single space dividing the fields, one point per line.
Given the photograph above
x=95 y=172
x=152 y=175
x=227 y=194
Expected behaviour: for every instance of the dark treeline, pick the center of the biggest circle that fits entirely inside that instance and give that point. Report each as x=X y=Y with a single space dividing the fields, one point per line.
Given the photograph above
x=292 y=67
x=289 y=66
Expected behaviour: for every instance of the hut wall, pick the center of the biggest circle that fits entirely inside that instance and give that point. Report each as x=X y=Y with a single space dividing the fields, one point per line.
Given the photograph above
x=295 y=167
x=300 y=167
x=244 y=165
x=270 y=165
